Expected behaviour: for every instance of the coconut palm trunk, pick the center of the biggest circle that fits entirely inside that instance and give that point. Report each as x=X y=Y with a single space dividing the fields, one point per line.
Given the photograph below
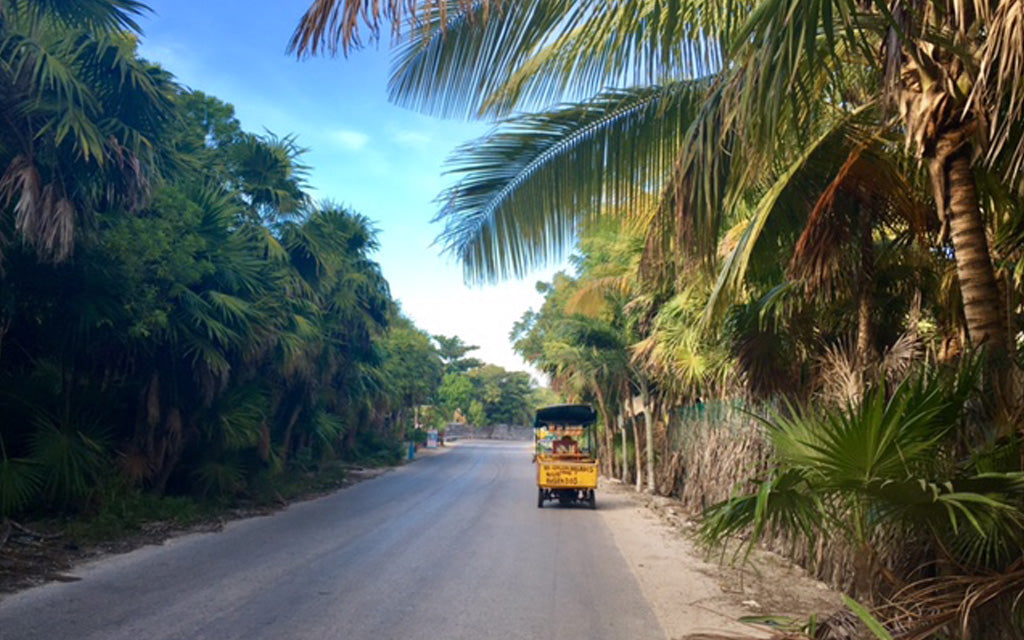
x=979 y=290
x=982 y=302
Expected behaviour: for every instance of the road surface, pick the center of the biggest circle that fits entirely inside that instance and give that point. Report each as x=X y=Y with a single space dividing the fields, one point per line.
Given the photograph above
x=450 y=547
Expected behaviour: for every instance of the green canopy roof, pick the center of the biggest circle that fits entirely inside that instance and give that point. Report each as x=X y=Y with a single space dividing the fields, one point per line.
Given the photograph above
x=560 y=415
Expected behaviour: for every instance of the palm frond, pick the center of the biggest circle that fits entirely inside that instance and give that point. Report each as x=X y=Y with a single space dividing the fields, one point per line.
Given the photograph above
x=106 y=15
x=784 y=501
x=483 y=62
x=332 y=24
x=239 y=416
x=328 y=427
x=871 y=181
x=70 y=456
x=999 y=90
x=218 y=478
x=457 y=54
x=960 y=601
x=20 y=481
x=530 y=184
x=792 y=176
x=786 y=50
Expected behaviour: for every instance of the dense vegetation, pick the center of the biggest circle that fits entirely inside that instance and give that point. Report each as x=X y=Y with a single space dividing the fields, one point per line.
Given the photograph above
x=813 y=210
x=177 y=316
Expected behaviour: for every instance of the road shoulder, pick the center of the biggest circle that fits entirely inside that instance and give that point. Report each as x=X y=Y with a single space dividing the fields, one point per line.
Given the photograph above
x=691 y=595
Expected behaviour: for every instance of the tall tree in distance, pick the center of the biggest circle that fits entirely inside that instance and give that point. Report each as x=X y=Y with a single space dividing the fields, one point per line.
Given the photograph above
x=453 y=354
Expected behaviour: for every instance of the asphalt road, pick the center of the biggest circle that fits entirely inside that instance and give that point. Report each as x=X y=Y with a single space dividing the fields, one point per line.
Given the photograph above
x=450 y=547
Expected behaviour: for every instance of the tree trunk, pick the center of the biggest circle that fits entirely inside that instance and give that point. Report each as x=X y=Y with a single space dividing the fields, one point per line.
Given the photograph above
x=603 y=451
x=865 y=288
x=982 y=300
x=645 y=401
x=5 y=326
x=983 y=308
x=625 y=449
x=171 y=448
x=286 y=444
x=609 y=441
x=637 y=453
x=607 y=450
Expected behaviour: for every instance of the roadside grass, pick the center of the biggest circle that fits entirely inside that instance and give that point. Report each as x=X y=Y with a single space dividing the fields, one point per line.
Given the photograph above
x=37 y=547
x=121 y=517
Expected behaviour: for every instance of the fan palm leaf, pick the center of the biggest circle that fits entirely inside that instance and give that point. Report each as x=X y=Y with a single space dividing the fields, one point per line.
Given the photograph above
x=70 y=456
x=881 y=460
x=83 y=115
x=96 y=14
x=20 y=481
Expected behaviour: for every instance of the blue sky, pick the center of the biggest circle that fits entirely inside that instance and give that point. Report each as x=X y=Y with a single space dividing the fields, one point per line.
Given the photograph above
x=383 y=161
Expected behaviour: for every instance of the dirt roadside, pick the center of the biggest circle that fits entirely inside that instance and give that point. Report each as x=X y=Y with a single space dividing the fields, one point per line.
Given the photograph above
x=695 y=597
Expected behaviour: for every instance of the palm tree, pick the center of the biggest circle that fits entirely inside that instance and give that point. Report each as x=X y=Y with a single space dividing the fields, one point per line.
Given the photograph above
x=82 y=115
x=270 y=176
x=773 y=78
x=885 y=461
x=340 y=304
x=953 y=103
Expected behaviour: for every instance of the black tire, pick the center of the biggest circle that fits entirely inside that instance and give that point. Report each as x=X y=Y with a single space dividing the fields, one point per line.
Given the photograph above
x=592 y=500
x=540 y=498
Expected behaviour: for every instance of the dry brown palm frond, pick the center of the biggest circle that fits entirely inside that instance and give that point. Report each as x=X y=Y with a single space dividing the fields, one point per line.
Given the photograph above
x=719 y=454
x=841 y=625
x=591 y=298
x=999 y=91
x=42 y=214
x=731 y=239
x=133 y=187
x=842 y=377
x=869 y=181
x=21 y=185
x=944 y=603
x=828 y=227
x=51 y=228
x=135 y=466
x=899 y=359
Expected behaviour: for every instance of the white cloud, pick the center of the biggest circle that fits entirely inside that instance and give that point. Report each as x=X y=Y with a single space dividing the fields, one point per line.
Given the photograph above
x=409 y=138
x=351 y=140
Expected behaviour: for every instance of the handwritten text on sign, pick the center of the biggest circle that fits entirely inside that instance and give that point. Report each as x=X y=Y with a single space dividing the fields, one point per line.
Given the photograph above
x=565 y=475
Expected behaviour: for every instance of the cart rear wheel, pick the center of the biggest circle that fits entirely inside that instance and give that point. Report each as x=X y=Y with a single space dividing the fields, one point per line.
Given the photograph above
x=592 y=500
x=540 y=498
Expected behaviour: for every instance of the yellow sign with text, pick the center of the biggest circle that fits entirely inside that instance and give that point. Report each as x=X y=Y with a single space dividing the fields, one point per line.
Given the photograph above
x=567 y=475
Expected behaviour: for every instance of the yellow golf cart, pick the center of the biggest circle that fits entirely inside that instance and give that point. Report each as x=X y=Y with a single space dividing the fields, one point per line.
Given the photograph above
x=564 y=447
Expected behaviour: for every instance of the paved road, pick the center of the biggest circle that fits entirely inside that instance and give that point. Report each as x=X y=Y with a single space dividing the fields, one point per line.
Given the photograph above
x=450 y=547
